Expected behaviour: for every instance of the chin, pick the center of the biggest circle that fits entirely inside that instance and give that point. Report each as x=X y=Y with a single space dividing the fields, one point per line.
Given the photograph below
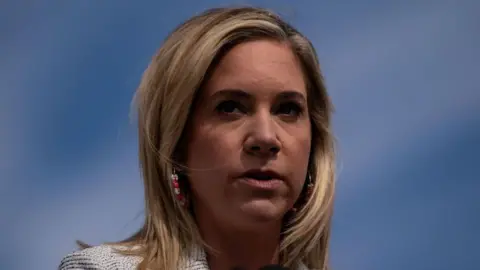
x=263 y=211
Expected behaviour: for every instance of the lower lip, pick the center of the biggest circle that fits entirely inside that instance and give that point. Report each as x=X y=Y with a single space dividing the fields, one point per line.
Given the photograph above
x=263 y=184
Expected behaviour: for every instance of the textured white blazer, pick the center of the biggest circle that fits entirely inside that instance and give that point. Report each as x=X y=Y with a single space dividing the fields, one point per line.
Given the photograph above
x=105 y=258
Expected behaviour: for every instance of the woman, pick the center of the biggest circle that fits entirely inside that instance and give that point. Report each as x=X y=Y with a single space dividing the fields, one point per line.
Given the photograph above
x=236 y=151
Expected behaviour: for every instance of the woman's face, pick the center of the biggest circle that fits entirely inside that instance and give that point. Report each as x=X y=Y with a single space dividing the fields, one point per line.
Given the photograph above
x=250 y=137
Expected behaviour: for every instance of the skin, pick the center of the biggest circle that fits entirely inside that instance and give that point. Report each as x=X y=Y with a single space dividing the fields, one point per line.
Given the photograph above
x=252 y=114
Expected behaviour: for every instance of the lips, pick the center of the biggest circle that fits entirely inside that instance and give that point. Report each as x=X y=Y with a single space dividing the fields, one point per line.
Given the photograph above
x=262 y=175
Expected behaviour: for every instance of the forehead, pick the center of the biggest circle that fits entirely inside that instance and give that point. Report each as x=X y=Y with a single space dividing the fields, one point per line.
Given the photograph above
x=258 y=66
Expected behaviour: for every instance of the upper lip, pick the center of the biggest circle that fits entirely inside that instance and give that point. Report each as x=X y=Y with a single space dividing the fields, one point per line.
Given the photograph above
x=262 y=174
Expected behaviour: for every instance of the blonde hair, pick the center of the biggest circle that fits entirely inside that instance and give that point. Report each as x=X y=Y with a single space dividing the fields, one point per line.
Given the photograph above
x=164 y=99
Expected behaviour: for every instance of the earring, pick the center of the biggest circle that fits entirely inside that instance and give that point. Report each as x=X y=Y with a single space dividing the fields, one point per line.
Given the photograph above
x=310 y=186
x=308 y=193
x=176 y=189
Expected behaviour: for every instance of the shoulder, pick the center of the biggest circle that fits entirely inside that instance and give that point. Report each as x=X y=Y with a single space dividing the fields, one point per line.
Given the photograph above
x=102 y=257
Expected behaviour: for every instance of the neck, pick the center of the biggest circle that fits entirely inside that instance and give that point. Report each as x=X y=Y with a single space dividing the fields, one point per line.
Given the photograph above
x=240 y=249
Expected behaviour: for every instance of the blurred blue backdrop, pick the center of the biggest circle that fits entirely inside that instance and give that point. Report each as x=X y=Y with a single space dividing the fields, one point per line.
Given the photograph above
x=403 y=76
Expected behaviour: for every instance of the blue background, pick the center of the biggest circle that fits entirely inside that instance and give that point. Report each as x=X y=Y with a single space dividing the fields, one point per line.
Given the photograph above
x=403 y=76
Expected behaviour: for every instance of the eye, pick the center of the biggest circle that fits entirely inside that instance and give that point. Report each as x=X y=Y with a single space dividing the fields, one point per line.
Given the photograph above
x=229 y=107
x=290 y=109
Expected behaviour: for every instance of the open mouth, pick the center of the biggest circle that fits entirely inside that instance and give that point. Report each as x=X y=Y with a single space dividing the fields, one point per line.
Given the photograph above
x=263 y=180
x=261 y=175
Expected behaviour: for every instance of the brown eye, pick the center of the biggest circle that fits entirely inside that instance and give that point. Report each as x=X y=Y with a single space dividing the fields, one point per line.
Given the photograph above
x=290 y=109
x=229 y=107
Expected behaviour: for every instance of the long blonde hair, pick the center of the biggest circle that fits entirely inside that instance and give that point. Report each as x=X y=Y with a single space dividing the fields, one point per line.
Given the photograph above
x=164 y=103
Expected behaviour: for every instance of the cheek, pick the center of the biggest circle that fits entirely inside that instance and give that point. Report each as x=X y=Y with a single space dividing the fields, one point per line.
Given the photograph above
x=305 y=148
x=299 y=154
x=208 y=150
x=210 y=154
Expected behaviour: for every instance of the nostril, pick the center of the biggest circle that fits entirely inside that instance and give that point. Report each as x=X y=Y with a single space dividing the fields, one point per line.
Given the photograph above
x=275 y=149
x=255 y=148
x=266 y=150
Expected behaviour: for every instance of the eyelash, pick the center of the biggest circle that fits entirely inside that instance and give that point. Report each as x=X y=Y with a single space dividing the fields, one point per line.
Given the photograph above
x=224 y=105
x=292 y=106
x=223 y=108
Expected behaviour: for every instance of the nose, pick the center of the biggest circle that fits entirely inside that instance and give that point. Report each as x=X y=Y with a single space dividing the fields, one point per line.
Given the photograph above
x=262 y=137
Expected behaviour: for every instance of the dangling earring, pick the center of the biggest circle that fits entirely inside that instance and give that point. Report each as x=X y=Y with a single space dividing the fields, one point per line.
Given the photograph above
x=310 y=186
x=308 y=193
x=176 y=189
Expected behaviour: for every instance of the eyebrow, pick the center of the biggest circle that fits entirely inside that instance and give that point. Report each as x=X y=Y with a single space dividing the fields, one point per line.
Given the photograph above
x=238 y=93
x=292 y=95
